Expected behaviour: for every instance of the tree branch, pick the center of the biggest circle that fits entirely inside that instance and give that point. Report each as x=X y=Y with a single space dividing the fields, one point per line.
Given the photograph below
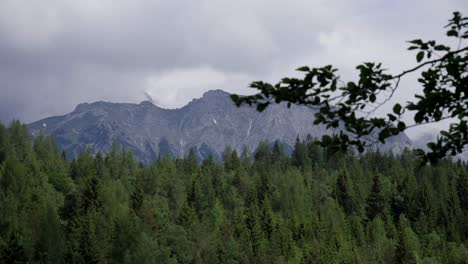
x=429 y=62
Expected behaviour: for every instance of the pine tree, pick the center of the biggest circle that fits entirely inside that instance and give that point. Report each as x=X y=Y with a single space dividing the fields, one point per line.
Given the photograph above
x=20 y=140
x=263 y=153
x=191 y=163
x=300 y=155
x=147 y=250
x=267 y=219
x=231 y=159
x=245 y=157
x=11 y=251
x=256 y=233
x=137 y=196
x=315 y=153
x=194 y=196
x=52 y=164
x=375 y=201
x=3 y=142
x=88 y=230
x=50 y=243
x=343 y=193
x=407 y=248
x=278 y=155
x=264 y=188
x=271 y=211
x=462 y=191
x=454 y=212
x=218 y=214
x=187 y=216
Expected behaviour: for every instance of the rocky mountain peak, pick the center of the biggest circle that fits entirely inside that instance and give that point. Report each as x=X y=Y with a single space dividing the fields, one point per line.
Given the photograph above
x=216 y=94
x=212 y=100
x=81 y=107
x=209 y=124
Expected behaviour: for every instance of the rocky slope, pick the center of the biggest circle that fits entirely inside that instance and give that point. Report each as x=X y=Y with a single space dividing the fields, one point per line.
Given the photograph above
x=208 y=124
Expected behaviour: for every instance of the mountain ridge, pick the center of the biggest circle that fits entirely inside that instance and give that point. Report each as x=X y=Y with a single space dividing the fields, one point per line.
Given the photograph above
x=209 y=124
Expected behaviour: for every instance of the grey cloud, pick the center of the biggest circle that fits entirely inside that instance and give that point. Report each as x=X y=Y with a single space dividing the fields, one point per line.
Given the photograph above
x=55 y=54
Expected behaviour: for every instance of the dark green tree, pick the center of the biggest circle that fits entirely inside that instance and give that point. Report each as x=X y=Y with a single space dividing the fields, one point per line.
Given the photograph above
x=342 y=193
x=268 y=211
x=462 y=191
x=300 y=155
x=375 y=201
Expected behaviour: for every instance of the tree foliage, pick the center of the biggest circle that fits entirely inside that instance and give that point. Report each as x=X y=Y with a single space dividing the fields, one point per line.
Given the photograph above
x=307 y=208
x=351 y=106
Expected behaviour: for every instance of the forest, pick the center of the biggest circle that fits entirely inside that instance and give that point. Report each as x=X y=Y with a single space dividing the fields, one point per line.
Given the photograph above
x=268 y=207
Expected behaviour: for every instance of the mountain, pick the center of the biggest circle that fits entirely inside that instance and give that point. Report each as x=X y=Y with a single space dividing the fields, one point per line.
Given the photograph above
x=208 y=124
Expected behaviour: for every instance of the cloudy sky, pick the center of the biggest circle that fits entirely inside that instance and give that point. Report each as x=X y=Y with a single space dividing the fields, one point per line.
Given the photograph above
x=55 y=54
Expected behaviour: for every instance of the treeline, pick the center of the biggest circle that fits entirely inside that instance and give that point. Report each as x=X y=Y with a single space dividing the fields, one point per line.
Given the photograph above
x=270 y=208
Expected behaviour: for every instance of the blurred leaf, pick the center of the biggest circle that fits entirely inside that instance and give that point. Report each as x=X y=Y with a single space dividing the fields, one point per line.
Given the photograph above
x=420 y=56
x=303 y=68
x=397 y=109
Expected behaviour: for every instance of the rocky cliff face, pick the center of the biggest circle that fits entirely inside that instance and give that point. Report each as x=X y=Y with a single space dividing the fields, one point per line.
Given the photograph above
x=208 y=124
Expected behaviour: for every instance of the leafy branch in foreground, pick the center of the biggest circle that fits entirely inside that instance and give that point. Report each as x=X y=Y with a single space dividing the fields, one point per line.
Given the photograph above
x=352 y=106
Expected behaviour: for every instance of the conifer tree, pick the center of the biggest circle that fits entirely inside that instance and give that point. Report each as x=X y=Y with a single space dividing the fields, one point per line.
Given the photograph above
x=462 y=191
x=3 y=142
x=454 y=213
x=137 y=196
x=375 y=201
x=278 y=155
x=300 y=156
x=194 y=196
x=270 y=211
x=191 y=162
x=343 y=193
x=187 y=216
x=263 y=153
x=408 y=245
x=256 y=234
x=245 y=157
x=231 y=159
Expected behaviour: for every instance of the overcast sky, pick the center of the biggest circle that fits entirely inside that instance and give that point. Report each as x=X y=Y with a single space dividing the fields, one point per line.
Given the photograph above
x=55 y=54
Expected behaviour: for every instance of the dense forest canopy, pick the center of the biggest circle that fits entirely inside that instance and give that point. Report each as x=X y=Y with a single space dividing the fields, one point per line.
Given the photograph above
x=311 y=207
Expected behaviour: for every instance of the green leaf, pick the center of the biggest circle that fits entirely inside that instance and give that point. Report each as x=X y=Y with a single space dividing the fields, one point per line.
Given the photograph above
x=420 y=56
x=419 y=152
x=441 y=47
x=391 y=117
x=419 y=117
x=334 y=123
x=261 y=107
x=397 y=109
x=452 y=33
x=401 y=126
x=431 y=145
x=303 y=68
x=416 y=41
x=326 y=139
x=445 y=133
